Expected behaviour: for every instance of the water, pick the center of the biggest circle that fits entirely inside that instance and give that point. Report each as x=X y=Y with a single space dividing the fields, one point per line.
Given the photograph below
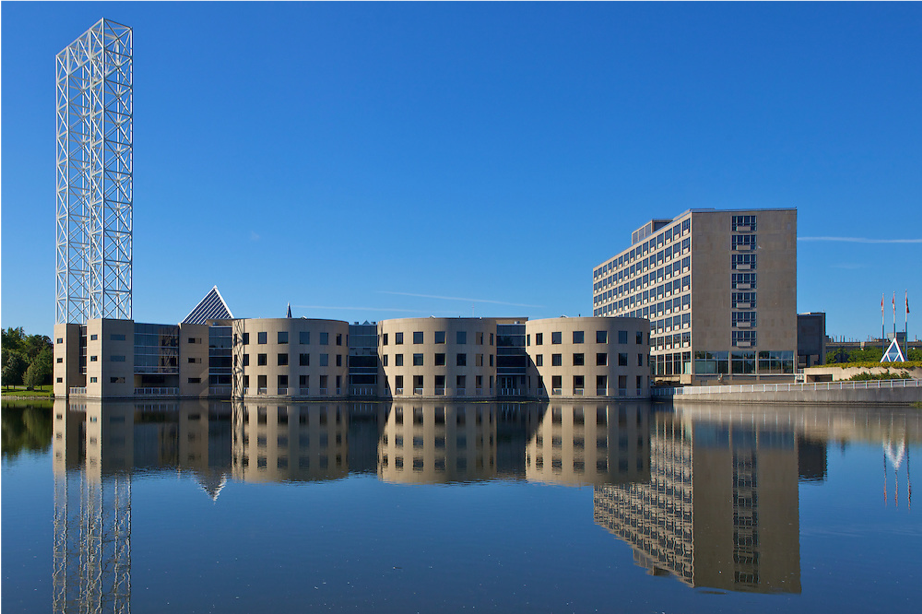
x=626 y=507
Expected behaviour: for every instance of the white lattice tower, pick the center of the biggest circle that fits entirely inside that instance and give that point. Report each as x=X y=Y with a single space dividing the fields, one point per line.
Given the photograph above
x=93 y=231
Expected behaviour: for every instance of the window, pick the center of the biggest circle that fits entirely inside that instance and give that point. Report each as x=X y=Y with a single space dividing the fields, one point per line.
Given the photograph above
x=94 y=337
x=491 y=360
x=622 y=336
x=743 y=338
x=744 y=223
x=461 y=337
x=417 y=360
x=440 y=360
x=743 y=242
x=116 y=337
x=384 y=360
x=304 y=337
x=578 y=336
x=417 y=338
x=324 y=360
x=339 y=360
x=640 y=360
x=117 y=358
x=384 y=339
x=195 y=380
x=59 y=360
x=282 y=381
x=262 y=359
x=193 y=361
x=339 y=339
x=60 y=380
x=601 y=359
x=60 y=340
x=398 y=338
x=94 y=358
x=116 y=380
x=282 y=360
x=556 y=338
x=246 y=338
x=304 y=360
x=398 y=360
x=638 y=338
x=743 y=262
x=556 y=360
x=92 y=380
x=539 y=338
x=622 y=360
x=601 y=336
x=478 y=360
x=743 y=281
x=579 y=360
x=744 y=319
x=744 y=300
x=439 y=336
x=491 y=338
x=324 y=338
x=461 y=360
x=539 y=360
x=262 y=338
x=246 y=360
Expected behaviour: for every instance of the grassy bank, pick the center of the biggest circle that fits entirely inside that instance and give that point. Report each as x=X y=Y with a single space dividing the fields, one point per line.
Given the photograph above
x=40 y=392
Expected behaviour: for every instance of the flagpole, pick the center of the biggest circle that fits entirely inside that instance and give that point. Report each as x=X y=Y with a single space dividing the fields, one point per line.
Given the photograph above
x=894 y=315
x=883 y=335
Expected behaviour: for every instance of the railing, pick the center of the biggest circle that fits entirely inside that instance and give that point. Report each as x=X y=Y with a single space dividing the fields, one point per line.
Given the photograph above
x=304 y=392
x=601 y=392
x=282 y=392
x=478 y=392
x=578 y=392
x=417 y=391
x=460 y=392
x=398 y=390
x=439 y=392
x=622 y=392
x=220 y=391
x=323 y=392
x=864 y=385
x=78 y=390
x=262 y=391
x=339 y=391
x=156 y=392
x=511 y=392
x=557 y=391
x=363 y=392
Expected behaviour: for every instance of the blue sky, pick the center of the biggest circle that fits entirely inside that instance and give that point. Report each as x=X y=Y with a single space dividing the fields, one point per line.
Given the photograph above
x=373 y=161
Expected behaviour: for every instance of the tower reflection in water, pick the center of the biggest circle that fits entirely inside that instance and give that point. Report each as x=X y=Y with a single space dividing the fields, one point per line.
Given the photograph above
x=708 y=496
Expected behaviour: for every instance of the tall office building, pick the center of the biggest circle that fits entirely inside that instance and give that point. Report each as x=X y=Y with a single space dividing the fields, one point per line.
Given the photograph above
x=94 y=155
x=719 y=289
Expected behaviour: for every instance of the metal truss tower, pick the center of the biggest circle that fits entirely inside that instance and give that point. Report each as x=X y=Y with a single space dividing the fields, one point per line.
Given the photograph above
x=93 y=231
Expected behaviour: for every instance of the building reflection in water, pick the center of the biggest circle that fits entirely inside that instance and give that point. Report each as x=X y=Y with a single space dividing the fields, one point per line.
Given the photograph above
x=720 y=509
x=708 y=495
x=96 y=446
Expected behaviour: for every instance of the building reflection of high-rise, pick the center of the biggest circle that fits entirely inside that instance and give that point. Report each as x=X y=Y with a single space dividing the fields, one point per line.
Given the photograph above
x=720 y=509
x=96 y=447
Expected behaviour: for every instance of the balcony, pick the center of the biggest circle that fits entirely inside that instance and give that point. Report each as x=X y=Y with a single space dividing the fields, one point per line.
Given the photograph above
x=578 y=392
x=220 y=391
x=417 y=391
x=262 y=391
x=556 y=391
x=282 y=392
x=478 y=391
x=78 y=390
x=398 y=391
x=323 y=392
x=156 y=392
x=601 y=392
x=304 y=392
x=439 y=392
x=460 y=392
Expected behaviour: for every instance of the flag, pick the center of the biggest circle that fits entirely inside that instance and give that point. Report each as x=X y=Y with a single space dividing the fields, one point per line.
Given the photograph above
x=907 y=301
x=881 y=305
x=289 y=310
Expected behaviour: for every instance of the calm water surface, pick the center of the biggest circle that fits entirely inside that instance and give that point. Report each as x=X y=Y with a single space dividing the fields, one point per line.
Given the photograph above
x=625 y=507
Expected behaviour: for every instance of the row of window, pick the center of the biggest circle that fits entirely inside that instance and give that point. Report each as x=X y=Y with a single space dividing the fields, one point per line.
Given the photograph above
x=621 y=307
x=641 y=278
x=440 y=337
x=439 y=360
x=579 y=360
x=642 y=298
x=304 y=360
x=282 y=336
x=665 y=237
x=282 y=381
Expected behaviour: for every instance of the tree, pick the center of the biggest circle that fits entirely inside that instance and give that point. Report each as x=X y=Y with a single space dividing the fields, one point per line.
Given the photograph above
x=14 y=369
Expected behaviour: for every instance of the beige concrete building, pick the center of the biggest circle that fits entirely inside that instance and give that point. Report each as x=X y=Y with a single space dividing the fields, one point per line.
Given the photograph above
x=720 y=291
x=290 y=357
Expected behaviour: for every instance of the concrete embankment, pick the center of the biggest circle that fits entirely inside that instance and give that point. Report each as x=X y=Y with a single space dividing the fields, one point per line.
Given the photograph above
x=898 y=392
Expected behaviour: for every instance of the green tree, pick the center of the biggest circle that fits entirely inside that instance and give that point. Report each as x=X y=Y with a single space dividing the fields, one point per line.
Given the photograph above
x=13 y=369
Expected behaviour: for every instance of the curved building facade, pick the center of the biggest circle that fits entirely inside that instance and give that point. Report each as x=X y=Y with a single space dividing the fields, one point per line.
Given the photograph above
x=290 y=357
x=437 y=357
x=589 y=357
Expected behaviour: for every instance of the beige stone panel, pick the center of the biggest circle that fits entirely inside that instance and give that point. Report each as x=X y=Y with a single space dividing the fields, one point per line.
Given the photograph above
x=193 y=360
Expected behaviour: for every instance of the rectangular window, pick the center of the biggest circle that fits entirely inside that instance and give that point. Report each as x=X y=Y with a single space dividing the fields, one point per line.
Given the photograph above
x=384 y=360
x=246 y=360
x=539 y=338
x=539 y=360
x=398 y=338
x=440 y=360
x=282 y=360
x=117 y=359
x=59 y=360
x=578 y=336
x=744 y=300
x=461 y=360
x=601 y=359
x=92 y=380
x=579 y=360
x=60 y=340
x=743 y=281
x=283 y=337
x=744 y=338
x=339 y=339
x=417 y=338
x=195 y=380
x=262 y=338
x=491 y=338
x=94 y=337
x=461 y=337
x=262 y=360
x=324 y=360
x=744 y=319
x=339 y=360
x=743 y=242
x=282 y=381
x=324 y=338
x=384 y=339
x=601 y=336
x=491 y=360
x=744 y=262
x=398 y=360
x=744 y=223
x=622 y=336
x=304 y=337
x=94 y=358
x=304 y=360
x=556 y=338
x=439 y=336
x=116 y=337
x=622 y=359
x=556 y=360
x=638 y=338
x=417 y=360
x=640 y=360
x=478 y=360
x=116 y=380
x=246 y=338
